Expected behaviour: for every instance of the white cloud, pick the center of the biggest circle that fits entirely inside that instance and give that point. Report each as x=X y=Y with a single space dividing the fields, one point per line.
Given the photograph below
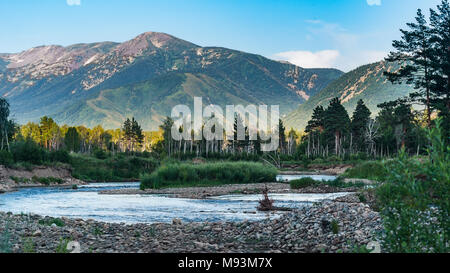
x=74 y=2
x=308 y=59
x=374 y=2
x=331 y=58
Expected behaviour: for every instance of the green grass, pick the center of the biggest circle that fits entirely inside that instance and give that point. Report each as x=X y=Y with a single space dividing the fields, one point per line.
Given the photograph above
x=372 y=170
x=111 y=169
x=20 y=180
x=303 y=183
x=50 y=221
x=337 y=183
x=186 y=175
x=47 y=180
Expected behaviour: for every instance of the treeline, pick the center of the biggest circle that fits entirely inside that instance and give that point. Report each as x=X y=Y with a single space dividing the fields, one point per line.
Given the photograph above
x=234 y=147
x=331 y=131
x=48 y=134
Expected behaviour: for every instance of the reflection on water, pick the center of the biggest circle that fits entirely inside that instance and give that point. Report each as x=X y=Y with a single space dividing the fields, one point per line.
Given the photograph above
x=86 y=203
x=287 y=178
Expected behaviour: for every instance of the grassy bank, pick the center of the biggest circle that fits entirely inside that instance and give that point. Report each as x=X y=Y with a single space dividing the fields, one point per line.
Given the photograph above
x=337 y=183
x=372 y=170
x=184 y=174
x=113 y=168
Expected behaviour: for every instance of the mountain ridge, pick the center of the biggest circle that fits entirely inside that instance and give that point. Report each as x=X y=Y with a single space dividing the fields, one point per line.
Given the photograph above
x=81 y=79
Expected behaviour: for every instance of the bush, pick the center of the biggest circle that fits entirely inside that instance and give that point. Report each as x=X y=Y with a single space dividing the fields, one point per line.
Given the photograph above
x=59 y=156
x=27 y=151
x=118 y=168
x=415 y=201
x=6 y=158
x=373 y=170
x=100 y=154
x=303 y=183
x=47 y=180
x=209 y=174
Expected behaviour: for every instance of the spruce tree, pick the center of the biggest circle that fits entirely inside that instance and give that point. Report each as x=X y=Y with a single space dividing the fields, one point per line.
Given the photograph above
x=360 y=119
x=72 y=140
x=337 y=124
x=440 y=37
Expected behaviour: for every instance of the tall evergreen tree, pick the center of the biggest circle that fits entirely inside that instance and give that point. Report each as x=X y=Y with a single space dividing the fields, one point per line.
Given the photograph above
x=360 y=120
x=337 y=124
x=414 y=53
x=282 y=136
x=72 y=140
x=440 y=29
x=317 y=120
x=166 y=127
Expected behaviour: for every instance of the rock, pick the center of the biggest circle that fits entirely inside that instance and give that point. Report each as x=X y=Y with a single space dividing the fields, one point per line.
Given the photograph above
x=37 y=233
x=177 y=221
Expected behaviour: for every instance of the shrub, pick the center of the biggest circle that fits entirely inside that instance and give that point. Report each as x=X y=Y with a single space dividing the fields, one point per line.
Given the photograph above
x=27 y=151
x=208 y=174
x=303 y=183
x=6 y=158
x=47 y=180
x=100 y=154
x=415 y=201
x=59 y=156
x=48 y=221
x=373 y=170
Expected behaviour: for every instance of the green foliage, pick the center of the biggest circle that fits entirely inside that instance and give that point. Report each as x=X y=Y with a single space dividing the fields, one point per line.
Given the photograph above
x=303 y=183
x=48 y=221
x=335 y=226
x=117 y=168
x=415 y=200
x=6 y=158
x=28 y=246
x=372 y=170
x=20 y=180
x=62 y=246
x=27 y=151
x=5 y=239
x=208 y=174
x=72 y=140
x=47 y=180
x=100 y=154
x=58 y=156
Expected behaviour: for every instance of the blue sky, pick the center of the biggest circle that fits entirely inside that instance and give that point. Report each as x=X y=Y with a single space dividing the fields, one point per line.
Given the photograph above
x=310 y=33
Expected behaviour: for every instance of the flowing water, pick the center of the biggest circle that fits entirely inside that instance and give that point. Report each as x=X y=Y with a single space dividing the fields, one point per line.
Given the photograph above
x=287 y=178
x=87 y=203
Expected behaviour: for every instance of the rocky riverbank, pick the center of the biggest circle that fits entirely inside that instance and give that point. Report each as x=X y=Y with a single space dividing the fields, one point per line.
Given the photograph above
x=206 y=192
x=335 y=226
x=39 y=176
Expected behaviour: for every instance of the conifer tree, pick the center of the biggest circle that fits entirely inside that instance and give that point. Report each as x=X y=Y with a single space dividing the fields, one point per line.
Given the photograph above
x=360 y=120
x=337 y=124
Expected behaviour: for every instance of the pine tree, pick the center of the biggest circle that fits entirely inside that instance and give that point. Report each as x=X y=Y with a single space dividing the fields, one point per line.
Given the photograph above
x=136 y=135
x=166 y=128
x=317 y=120
x=440 y=29
x=282 y=136
x=72 y=140
x=360 y=120
x=414 y=54
x=337 y=124
x=127 y=133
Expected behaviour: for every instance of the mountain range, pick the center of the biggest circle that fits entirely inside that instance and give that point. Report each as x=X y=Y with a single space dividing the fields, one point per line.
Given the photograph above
x=105 y=83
